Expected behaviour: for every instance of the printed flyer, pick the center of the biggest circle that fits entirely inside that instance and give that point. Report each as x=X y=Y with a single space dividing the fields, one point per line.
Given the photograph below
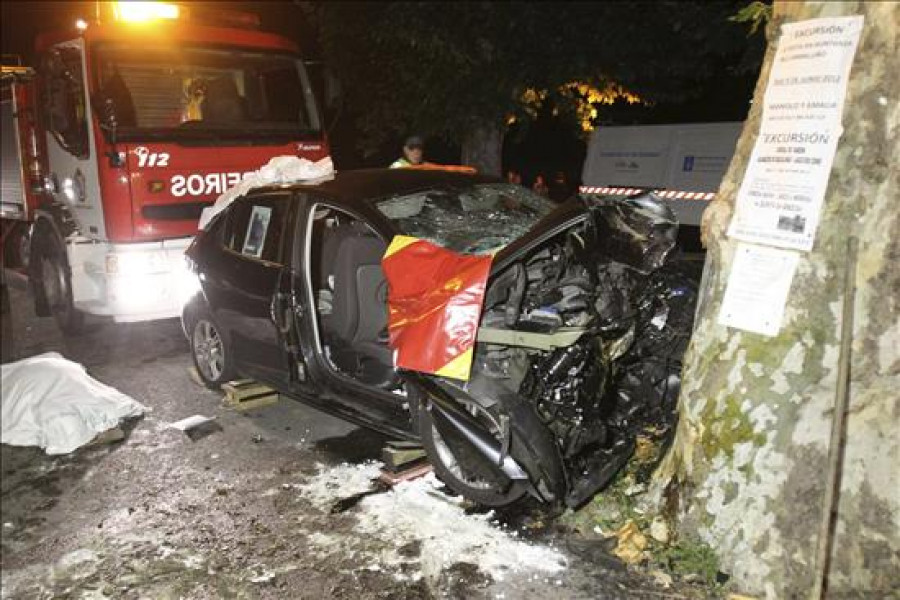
x=784 y=186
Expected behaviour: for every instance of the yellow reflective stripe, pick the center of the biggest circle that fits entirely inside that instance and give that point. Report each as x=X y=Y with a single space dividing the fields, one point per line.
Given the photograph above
x=399 y=243
x=458 y=368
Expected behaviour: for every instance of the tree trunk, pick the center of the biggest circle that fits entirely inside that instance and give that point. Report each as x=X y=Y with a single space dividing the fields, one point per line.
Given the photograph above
x=750 y=456
x=482 y=148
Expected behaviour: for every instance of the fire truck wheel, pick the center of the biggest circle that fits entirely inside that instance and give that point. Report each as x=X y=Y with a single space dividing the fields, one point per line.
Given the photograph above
x=53 y=284
x=210 y=350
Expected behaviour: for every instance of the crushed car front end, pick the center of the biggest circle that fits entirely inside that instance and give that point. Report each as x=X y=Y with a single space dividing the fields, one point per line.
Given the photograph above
x=576 y=359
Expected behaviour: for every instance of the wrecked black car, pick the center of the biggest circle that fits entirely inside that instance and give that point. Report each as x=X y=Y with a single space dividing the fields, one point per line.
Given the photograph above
x=555 y=332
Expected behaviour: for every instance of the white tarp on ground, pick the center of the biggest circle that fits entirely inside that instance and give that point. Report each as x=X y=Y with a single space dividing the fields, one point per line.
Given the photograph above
x=281 y=169
x=53 y=403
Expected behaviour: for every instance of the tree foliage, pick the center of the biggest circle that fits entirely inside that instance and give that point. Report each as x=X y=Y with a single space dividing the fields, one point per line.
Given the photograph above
x=756 y=14
x=446 y=68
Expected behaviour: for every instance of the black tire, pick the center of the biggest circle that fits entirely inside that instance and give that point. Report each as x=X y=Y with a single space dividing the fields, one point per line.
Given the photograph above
x=16 y=246
x=455 y=465
x=210 y=349
x=53 y=284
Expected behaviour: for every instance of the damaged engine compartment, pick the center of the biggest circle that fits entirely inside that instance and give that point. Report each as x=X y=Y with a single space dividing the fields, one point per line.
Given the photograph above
x=587 y=331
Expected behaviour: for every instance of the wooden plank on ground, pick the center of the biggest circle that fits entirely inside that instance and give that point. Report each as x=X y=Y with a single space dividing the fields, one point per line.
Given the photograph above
x=246 y=394
x=396 y=458
x=392 y=478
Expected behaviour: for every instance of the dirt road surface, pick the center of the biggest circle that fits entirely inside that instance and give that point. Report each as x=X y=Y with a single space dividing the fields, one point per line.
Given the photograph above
x=247 y=511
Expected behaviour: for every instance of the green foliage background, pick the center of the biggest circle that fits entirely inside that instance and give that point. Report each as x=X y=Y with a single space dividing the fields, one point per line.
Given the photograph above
x=443 y=68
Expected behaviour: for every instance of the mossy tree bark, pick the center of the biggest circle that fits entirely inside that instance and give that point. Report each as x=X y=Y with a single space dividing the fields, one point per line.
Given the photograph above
x=749 y=461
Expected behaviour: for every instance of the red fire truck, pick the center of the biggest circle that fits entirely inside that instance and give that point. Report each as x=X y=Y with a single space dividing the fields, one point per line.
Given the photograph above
x=123 y=132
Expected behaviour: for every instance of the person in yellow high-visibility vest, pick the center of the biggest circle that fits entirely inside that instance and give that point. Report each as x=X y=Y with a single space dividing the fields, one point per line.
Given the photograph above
x=413 y=153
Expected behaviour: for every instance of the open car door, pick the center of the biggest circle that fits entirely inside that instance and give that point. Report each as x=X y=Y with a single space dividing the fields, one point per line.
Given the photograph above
x=249 y=286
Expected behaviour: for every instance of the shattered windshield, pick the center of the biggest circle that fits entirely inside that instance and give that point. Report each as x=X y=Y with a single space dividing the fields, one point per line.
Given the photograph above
x=203 y=91
x=472 y=220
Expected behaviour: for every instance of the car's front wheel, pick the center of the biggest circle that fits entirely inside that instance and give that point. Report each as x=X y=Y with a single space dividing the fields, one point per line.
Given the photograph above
x=210 y=350
x=459 y=465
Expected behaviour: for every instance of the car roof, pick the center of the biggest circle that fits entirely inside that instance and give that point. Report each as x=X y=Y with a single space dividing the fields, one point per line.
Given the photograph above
x=369 y=185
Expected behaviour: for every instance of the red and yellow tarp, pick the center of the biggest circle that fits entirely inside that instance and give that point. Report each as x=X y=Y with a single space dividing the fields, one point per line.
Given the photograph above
x=434 y=305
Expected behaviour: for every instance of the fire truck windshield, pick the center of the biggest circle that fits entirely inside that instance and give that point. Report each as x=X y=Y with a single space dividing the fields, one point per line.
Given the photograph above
x=198 y=93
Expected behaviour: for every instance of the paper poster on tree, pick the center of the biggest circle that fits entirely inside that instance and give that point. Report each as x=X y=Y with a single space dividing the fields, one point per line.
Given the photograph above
x=758 y=288
x=781 y=195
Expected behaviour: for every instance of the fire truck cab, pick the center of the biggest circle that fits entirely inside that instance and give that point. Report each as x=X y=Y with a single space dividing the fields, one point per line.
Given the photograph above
x=129 y=129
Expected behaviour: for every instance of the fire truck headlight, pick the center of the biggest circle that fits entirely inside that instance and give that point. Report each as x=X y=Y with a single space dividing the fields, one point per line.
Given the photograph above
x=134 y=293
x=73 y=187
x=68 y=188
x=136 y=263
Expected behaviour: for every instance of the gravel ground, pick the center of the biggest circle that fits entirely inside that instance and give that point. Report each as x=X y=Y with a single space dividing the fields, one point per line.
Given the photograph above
x=235 y=514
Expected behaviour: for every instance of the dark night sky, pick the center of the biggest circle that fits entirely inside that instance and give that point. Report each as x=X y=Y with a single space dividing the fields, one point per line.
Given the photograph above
x=547 y=146
x=23 y=20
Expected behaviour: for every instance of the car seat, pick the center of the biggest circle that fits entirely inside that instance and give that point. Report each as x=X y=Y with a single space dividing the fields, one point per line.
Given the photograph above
x=222 y=102
x=357 y=326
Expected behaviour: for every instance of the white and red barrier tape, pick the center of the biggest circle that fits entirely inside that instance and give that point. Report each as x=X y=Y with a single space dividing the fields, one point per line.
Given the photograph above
x=670 y=194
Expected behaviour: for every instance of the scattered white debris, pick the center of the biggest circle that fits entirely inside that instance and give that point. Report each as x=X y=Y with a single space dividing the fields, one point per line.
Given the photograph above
x=661 y=578
x=194 y=562
x=323 y=541
x=190 y=422
x=264 y=577
x=78 y=564
x=53 y=403
x=332 y=484
x=196 y=426
x=417 y=511
x=189 y=560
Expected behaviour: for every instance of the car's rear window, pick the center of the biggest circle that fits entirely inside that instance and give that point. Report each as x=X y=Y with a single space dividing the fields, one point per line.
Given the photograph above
x=255 y=226
x=471 y=220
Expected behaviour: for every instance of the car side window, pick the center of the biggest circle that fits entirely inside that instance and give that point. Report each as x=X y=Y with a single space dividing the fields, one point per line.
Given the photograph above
x=255 y=228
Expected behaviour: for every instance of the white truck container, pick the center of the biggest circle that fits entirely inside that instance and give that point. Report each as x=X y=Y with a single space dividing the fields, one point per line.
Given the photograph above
x=683 y=164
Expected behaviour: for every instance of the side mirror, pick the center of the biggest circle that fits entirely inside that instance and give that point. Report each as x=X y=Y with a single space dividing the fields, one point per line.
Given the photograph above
x=106 y=113
x=109 y=123
x=327 y=90
x=334 y=99
x=333 y=92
